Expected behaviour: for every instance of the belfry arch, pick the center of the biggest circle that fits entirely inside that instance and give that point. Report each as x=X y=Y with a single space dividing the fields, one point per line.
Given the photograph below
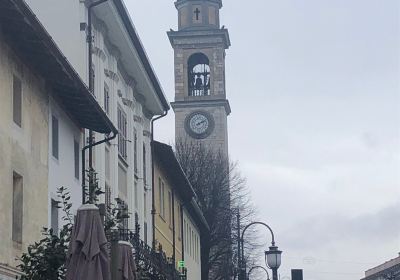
x=199 y=77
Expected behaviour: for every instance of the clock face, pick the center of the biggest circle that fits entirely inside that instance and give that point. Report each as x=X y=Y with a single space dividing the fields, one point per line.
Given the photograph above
x=199 y=124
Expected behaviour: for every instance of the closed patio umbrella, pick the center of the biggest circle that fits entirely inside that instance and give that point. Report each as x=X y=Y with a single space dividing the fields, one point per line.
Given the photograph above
x=126 y=262
x=87 y=257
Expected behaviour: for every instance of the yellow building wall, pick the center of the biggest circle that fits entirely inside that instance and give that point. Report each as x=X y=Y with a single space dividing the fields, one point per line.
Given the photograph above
x=23 y=150
x=163 y=227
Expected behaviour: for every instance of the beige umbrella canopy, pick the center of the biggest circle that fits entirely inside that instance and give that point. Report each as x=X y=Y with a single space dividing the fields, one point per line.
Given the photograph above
x=126 y=262
x=87 y=257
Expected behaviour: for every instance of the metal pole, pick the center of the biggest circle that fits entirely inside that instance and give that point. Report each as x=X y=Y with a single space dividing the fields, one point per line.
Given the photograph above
x=238 y=245
x=153 y=187
x=274 y=274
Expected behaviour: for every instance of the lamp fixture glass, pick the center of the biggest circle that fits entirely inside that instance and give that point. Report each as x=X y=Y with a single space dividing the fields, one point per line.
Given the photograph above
x=273 y=257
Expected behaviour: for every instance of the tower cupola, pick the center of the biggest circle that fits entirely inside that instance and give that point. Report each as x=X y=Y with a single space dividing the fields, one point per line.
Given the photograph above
x=198 y=14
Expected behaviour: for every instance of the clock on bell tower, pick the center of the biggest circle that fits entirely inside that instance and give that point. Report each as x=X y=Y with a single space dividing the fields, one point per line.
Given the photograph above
x=201 y=107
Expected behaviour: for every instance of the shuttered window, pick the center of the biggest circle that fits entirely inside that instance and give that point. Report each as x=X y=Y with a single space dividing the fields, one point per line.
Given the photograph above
x=17 y=208
x=17 y=101
x=54 y=136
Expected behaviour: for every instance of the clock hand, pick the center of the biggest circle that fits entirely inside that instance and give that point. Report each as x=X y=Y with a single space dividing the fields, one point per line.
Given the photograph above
x=199 y=123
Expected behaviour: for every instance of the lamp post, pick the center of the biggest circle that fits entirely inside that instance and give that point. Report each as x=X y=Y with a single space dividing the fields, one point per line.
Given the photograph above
x=273 y=260
x=272 y=256
x=259 y=267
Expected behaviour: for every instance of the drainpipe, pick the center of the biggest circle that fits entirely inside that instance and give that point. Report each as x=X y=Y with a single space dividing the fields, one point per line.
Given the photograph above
x=153 y=206
x=173 y=228
x=182 y=232
x=90 y=146
x=89 y=40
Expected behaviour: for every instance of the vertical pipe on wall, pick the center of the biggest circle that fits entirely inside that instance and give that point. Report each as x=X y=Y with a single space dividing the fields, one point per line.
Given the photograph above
x=153 y=206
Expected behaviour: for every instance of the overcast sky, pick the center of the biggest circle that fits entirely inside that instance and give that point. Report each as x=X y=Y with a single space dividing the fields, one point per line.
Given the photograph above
x=315 y=124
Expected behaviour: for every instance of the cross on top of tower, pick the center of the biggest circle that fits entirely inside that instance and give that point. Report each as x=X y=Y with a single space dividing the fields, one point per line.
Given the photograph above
x=197 y=12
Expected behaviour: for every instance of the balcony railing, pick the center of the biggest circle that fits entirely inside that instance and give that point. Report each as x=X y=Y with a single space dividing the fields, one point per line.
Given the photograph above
x=151 y=264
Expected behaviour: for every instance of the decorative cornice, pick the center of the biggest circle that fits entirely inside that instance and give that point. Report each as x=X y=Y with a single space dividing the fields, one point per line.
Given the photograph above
x=114 y=50
x=146 y=133
x=138 y=119
x=100 y=25
x=199 y=37
x=112 y=75
x=202 y=104
x=99 y=52
x=139 y=97
x=147 y=113
x=129 y=80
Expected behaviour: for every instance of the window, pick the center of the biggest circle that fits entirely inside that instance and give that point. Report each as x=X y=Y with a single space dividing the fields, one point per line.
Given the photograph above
x=76 y=159
x=107 y=181
x=170 y=205
x=106 y=99
x=199 y=75
x=145 y=205
x=107 y=198
x=136 y=194
x=186 y=237
x=122 y=134
x=107 y=164
x=17 y=101
x=145 y=232
x=161 y=197
x=135 y=151
x=17 y=208
x=123 y=213
x=179 y=223
x=144 y=166
x=54 y=216
x=122 y=181
x=54 y=136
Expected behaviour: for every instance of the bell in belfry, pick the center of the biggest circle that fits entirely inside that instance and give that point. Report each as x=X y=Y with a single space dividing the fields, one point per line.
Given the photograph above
x=199 y=83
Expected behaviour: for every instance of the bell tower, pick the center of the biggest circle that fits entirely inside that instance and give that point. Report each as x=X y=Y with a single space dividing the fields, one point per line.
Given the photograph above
x=201 y=107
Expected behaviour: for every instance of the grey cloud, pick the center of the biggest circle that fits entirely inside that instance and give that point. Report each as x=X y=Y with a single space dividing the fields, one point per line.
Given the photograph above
x=321 y=231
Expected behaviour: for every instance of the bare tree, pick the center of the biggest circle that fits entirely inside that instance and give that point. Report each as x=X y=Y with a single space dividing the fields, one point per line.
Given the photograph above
x=221 y=193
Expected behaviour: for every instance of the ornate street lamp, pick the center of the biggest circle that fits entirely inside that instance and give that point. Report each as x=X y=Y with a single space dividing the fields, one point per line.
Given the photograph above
x=273 y=260
x=272 y=256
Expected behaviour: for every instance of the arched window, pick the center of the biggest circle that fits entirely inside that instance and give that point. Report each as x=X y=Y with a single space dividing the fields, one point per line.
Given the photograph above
x=199 y=75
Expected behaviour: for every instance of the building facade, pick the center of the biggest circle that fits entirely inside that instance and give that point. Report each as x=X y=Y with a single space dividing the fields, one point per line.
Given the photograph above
x=201 y=106
x=389 y=270
x=40 y=92
x=127 y=89
x=179 y=222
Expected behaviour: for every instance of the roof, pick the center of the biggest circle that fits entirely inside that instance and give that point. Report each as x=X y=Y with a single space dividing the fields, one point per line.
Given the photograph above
x=141 y=51
x=35 y=46
x=219 y=2
x=382 y=267
x=165 y=157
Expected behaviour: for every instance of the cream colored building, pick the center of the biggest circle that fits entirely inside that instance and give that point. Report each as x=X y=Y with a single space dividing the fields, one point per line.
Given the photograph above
x=36 y=83
x=125 y=86
x=179 y=222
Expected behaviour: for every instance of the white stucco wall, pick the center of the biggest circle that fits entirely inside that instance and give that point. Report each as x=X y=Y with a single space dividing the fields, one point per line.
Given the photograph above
x=191 y=237
x=62 y=21
x=107 y=61
x=62 y=170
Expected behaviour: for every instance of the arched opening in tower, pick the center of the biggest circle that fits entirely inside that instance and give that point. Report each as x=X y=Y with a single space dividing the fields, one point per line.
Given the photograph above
x=199 y=75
